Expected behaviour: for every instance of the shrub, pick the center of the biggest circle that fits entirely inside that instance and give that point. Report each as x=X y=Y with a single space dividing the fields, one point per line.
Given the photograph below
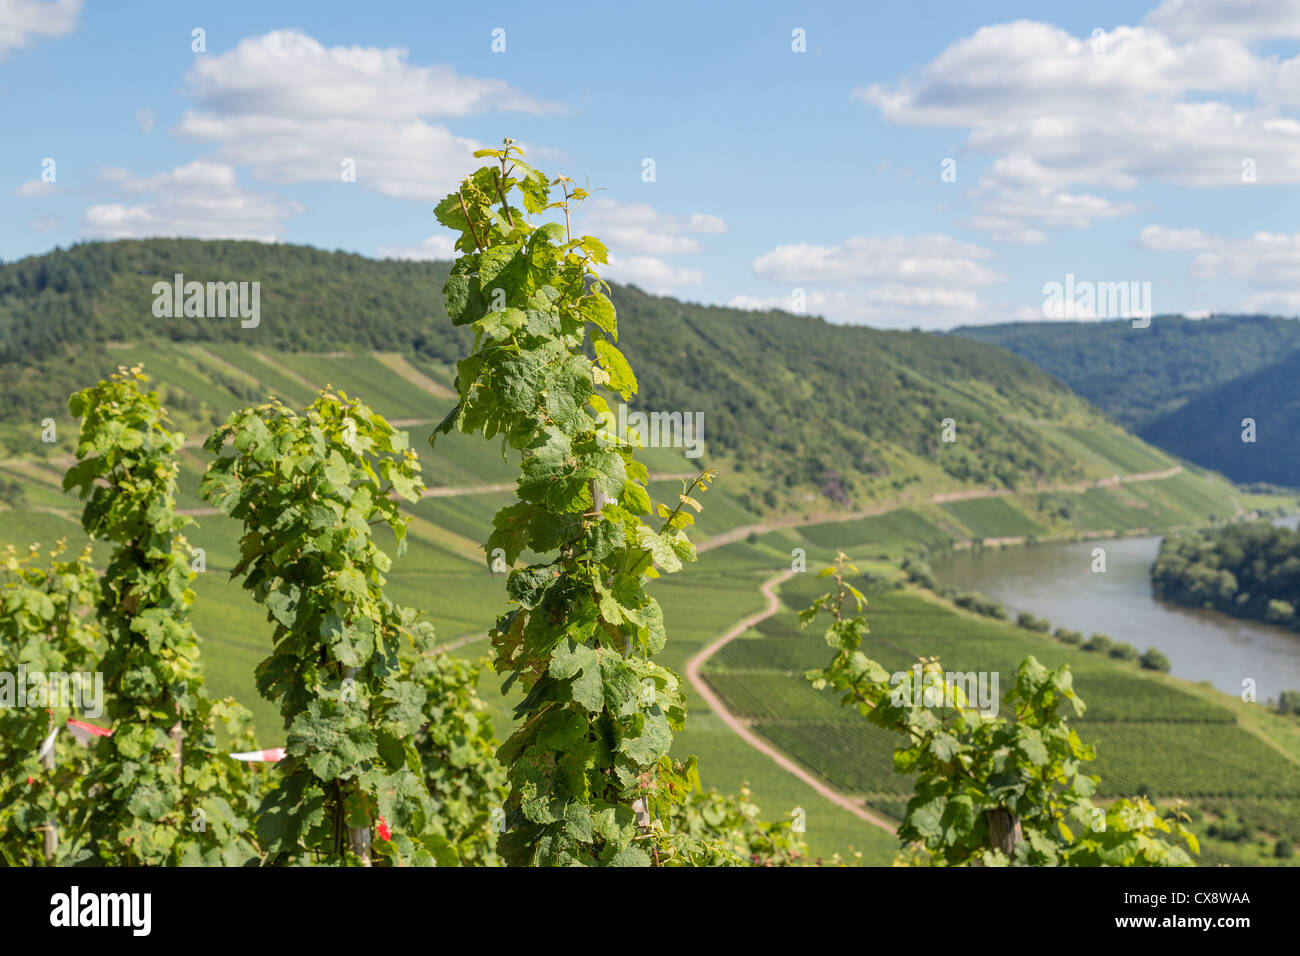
x=980 y=604
x=1099 y=643
x=1284 y=849
x=1066 y=636
x=1279 y=611
x=1231 y=829
x=1030 y=622
x=1154 y=660
x=919 y=572
x=1124 y=652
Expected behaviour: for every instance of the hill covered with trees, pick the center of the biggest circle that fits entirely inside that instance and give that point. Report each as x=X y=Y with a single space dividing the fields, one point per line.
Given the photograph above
x=846 y=413
x=1184 y=385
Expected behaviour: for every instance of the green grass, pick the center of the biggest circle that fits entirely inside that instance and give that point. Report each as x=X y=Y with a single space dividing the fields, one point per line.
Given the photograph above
x=892 y=532
x=1127 y=454
x=289 y=390
x=992 y=518
x=1281 y=818
x=759 y=695
x=364 y=376
x=1147 y=730
x=852 y=755
x=1185 y=759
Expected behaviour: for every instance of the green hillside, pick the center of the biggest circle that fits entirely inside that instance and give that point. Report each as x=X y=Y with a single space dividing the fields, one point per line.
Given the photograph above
x=1180 y=384
x=795 y=406
x=797 y=402
x=1208 y=429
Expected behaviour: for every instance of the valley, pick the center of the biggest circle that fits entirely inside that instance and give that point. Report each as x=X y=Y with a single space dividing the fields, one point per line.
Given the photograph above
x=1033 y=464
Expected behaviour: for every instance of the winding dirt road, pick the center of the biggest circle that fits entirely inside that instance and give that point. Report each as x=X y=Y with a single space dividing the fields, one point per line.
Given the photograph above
x=736 y=534
x=738 y=727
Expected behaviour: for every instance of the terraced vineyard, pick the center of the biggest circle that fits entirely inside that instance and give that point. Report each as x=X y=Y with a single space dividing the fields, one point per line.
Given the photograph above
x=894 y=531
x=1148 y=732
x=992 y=518
x=445 y=572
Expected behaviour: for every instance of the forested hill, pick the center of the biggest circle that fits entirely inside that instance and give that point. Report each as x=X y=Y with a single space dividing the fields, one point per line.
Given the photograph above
x=1182 y=384
x=1140 y=375
x=1208 y=429
x=811 y=407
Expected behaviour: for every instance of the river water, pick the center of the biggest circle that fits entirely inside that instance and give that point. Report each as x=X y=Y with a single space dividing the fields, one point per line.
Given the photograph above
x=1056 y=581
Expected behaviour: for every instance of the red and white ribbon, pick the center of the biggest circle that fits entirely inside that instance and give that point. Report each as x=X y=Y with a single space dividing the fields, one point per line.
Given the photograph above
x=262 y=756
x=84 y=732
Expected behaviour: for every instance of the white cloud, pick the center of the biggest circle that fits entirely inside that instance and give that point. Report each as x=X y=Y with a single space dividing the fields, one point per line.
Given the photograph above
x=293 y=110
x=1243 y=19
x=145 y=119
x=650 y=273
x=1274 y=302
x=1264 y=258
x=1140 y=106
x=201 y=199
x=441 y=247
x=1267 y=261
x=1003 y=229
x=640 y=228
x=928 y=281
x=21 y=20
x=1162 y=239
x=899 y=259
x=36 y=188
x=886 y=306
x=1017 y=188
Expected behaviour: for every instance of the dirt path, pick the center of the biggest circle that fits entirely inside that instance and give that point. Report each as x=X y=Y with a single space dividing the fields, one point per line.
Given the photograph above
x=773 y=605
x=405 y=370
x=457 y=642
x=744 y=531
x=449 y=492
x=781 y=760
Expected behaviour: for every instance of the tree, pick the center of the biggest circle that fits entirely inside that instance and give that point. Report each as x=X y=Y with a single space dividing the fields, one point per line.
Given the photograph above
x=591 y=780
x=990 y=791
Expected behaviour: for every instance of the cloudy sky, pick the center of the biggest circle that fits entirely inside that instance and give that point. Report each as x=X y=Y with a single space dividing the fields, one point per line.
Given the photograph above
x=922 y=164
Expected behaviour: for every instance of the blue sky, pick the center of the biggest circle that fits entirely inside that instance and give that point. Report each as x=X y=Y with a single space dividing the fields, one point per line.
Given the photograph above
x=1114 y=156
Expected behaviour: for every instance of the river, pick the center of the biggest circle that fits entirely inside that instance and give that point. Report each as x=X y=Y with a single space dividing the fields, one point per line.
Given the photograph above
x=1056 y=581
